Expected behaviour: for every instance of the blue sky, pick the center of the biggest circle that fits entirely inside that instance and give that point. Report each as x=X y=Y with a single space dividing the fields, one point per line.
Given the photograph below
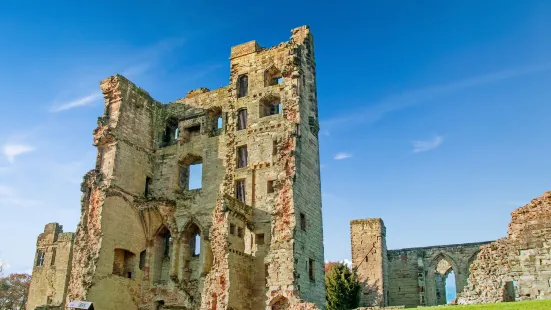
x=434 y=114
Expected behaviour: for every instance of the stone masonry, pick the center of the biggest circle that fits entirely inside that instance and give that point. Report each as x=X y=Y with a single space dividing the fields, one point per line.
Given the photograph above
x=517 y=267
x=212 y=201
x=52 y=267
x=406 y=277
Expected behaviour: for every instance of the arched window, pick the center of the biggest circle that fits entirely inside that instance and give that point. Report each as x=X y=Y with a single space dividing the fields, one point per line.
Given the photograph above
x=242 y=86
x=241 y=119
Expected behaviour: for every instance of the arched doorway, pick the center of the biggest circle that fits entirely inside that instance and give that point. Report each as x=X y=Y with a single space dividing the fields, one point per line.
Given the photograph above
x=444 y=278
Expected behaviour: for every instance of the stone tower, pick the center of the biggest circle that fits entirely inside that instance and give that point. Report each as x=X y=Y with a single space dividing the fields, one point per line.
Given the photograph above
x=52 y=267
x=212 y=201
x=369 y=258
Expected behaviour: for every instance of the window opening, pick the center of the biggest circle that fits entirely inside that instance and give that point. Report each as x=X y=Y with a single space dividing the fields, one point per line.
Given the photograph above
x=242 y=157
x=311 y=269
x=123 y=263
x=232 y=229
x=259 y=239
x=147 y=190
x=219 y=122
x=192 y=131
x=272 y=76
x=40 y=258
x=240 y=190
x=239 y=232
x=302 y=221
x=195 y=244
x=196 y=176
x=242 y=86
x=170 y=134
x=167 y=240
x=270 y=105
x=270 y=187
x=142 y=260
x=242 y=119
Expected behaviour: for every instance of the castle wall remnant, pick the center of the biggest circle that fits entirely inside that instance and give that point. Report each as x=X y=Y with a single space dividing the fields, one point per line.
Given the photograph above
x=212 y=201
x=517 y=267
x=52 y=267
x=406 y=277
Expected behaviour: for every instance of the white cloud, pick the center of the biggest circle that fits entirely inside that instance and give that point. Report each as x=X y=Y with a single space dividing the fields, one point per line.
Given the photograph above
x=427 y=145
x=13 y=150
x=342 y=155
x=80 y=102
x=379 y=109
x=347 y=262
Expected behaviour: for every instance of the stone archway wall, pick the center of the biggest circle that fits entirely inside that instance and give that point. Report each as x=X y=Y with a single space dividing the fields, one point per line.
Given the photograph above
x=412 y=272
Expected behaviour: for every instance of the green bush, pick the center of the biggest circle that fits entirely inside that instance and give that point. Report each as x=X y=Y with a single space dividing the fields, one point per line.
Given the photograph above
x=342 y=287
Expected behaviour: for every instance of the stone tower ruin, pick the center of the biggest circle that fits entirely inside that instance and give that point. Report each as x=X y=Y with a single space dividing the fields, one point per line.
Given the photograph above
x=212 y=201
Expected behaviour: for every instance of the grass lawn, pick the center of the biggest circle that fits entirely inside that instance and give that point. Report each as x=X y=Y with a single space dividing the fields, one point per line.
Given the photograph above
x=520 y=305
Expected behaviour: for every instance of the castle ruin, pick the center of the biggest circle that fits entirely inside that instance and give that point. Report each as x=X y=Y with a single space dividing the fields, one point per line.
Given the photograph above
x=212 y=201
x=517 y=267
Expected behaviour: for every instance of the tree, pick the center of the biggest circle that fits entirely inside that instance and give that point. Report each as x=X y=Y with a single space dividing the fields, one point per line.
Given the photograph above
x=342 y=287
x=14 y=290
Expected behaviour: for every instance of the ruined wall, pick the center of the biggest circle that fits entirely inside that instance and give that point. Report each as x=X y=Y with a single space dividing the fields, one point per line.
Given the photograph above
x=369 y=258
x=417 y=276
x=52 y=267
x=517 y=267
x=406 y=277
x=109 y=221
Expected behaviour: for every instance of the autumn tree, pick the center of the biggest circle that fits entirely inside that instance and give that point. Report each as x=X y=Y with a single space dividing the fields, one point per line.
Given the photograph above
x=342 y=287
x=14 y=290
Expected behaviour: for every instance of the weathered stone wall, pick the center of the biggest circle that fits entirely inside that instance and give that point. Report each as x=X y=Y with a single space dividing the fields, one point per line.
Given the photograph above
x=517 y=267
x=146 y=240
x=369 y=258
x=51 y=271
x=417 y=276
x=406 y=277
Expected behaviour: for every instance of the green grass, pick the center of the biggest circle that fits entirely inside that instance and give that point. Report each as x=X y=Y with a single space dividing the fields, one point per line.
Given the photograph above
x=520 y=305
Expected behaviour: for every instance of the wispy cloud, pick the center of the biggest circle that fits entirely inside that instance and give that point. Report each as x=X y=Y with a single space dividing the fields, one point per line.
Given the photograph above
x=134 y=64
x=342 y=155
x=379 y=109
x=11 y=151
x=427 y=145
x=79 y=102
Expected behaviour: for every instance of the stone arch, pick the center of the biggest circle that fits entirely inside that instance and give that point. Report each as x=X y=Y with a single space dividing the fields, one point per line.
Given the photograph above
x=440 y=266
x=192 y=250
x=470 y=261
x=161 y=254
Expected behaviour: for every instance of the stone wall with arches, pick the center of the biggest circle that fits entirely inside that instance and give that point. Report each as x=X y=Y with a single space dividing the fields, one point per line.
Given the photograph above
x=407 y=277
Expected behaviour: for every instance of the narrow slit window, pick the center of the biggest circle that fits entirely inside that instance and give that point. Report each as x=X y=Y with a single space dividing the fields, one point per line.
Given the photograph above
x=240 y=190
x=232 y=229
x=219 y=122
x=311 y=269
x=270 y=187
x=195 y=245
x=40 y=258
x=242 y=157
x=302 y=221
x=147 y=189
x=242 y=119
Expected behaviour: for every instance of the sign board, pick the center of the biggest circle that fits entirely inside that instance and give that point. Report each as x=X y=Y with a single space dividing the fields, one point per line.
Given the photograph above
x=77 y=304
